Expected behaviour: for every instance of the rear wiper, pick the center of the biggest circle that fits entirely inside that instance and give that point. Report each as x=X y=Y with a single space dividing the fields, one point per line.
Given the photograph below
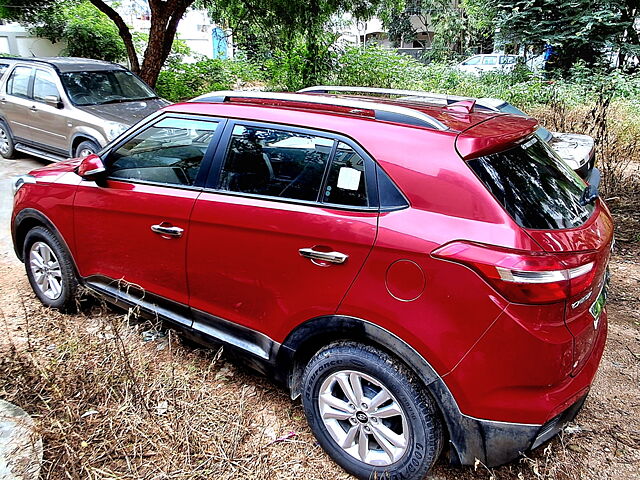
x=590 y=192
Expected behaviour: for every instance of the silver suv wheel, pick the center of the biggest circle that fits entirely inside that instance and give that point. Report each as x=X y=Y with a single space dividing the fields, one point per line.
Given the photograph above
x=363 y=417
x=4 y=142
x=46 y=271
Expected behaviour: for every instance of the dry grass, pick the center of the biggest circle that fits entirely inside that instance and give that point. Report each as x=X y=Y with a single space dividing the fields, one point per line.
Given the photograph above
x=110 y=405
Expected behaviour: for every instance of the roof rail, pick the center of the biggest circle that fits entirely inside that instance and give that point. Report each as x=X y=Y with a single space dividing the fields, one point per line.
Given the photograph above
x=442 y=98
x=381 y=111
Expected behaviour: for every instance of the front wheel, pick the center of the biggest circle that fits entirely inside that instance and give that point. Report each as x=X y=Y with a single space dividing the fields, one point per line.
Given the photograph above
x=370 y=413
x=7 y=149
x=86 y=148
x=50 y=270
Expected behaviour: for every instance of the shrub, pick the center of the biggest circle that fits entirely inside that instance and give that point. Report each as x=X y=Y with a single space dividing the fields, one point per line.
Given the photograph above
x=183 y=81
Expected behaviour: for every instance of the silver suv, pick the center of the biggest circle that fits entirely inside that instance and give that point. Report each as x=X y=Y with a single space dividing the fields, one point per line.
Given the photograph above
x=61 y=107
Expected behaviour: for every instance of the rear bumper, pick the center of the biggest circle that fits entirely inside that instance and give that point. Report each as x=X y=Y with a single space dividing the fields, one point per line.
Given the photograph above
x=497 y=442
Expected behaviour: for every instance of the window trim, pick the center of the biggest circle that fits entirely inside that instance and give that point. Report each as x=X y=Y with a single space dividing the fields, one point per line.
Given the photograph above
x=213 y=181
x=205 y=165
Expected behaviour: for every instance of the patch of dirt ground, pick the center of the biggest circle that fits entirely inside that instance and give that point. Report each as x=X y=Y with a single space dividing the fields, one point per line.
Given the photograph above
x=113 y=399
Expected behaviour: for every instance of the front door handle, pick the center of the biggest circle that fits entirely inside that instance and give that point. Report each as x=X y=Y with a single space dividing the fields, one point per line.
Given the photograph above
x=330 y=257
x=33 y=108
x=167 y=229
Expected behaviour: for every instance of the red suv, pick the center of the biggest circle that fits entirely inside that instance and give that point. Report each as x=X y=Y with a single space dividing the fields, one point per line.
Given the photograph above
x=426 y=278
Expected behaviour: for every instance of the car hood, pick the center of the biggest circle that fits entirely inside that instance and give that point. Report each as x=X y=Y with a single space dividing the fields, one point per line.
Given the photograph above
x=126 y=112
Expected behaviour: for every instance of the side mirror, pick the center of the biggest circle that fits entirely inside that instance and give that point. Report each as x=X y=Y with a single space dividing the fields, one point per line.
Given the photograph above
x=53 y=100
x=90 y=167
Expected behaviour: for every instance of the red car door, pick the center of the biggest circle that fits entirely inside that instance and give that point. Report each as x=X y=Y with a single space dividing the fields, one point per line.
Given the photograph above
x=284 y=233
x=132 y=228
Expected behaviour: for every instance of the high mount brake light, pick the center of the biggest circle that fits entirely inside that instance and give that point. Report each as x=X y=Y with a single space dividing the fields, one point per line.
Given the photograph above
x=521 y=276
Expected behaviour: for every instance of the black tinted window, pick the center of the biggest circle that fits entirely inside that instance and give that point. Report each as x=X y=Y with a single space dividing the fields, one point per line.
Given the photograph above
x=44 y=86
x=275 y=163
x=170 y=152
x=537 y=189
x=346 y=182
x=18 y=83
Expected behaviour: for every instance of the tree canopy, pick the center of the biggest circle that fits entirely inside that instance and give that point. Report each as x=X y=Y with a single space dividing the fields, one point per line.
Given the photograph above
x=578 y=29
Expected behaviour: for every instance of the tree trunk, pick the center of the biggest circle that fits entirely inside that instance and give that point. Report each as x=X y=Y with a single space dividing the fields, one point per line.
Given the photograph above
x=123 y=30
x=165 y=16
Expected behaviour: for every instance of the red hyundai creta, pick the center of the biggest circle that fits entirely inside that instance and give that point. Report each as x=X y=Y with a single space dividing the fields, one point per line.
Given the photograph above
x=427 y=278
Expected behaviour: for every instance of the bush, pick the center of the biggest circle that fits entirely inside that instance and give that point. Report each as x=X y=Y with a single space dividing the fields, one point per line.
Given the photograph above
x=187 y=80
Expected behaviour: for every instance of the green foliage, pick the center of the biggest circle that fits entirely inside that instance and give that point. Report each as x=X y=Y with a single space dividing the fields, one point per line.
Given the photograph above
x=187 y=80
x=580 y=29
x=378 y=67
x=87 y=32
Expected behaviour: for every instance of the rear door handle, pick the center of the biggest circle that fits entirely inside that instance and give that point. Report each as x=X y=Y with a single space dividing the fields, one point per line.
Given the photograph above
x=33 y=108
x=167 y=229
x=331 y=257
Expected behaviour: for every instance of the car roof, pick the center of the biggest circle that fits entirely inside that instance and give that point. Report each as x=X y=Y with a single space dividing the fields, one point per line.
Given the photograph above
x=69 y=64
x=359 y=118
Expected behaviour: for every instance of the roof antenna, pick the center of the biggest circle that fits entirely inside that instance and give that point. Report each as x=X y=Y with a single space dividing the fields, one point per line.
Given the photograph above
x=463 y=106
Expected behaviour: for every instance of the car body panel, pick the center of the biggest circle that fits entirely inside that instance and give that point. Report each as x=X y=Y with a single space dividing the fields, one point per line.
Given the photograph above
x=114 y=238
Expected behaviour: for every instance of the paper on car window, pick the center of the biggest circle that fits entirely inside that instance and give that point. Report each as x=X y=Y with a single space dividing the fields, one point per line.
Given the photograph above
x=349 y=178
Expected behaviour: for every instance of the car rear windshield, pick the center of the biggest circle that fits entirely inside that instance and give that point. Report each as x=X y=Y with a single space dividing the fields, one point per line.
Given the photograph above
x=109 y=86
x=534 y=186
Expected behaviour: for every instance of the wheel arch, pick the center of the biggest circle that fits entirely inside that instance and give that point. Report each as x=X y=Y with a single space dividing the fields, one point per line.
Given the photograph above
x=79 y=137
x=26 y=220
x=468 y=438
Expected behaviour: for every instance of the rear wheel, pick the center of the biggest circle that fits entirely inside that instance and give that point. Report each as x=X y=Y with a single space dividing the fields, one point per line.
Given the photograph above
x=370 y=413
x=7 y=149
x=50 y=270
x=86 y=148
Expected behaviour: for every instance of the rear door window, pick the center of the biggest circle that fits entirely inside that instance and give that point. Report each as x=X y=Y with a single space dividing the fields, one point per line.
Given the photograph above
x=275 y=163
x=346 y=183
x=18 y=82
x=534 y=186
x=489 y=61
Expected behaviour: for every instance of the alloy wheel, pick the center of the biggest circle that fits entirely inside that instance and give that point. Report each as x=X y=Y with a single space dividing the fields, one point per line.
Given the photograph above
x=363 y=417
x=46 y=270
x=4 y=142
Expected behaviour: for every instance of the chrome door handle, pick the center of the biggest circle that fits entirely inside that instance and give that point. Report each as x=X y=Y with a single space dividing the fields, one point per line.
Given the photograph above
x=165 y=229
x=331 y=257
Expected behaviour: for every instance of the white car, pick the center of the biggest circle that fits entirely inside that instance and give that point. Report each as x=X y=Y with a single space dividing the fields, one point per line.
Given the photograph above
x=493 y=62
x=577 y=150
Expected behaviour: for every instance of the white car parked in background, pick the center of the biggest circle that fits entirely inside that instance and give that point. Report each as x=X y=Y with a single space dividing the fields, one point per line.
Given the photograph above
x=494 y=62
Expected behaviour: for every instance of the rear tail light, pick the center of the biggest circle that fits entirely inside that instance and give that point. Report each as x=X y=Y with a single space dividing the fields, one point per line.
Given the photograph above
x=524 y=276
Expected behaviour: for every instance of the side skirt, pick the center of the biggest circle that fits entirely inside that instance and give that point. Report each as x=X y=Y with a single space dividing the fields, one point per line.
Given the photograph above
x=255 y=349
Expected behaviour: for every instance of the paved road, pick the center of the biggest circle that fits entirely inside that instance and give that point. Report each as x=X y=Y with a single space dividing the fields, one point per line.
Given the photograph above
x=8 y=169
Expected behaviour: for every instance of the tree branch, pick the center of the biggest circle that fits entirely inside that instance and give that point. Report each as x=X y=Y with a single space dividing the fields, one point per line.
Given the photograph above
x=123 y=30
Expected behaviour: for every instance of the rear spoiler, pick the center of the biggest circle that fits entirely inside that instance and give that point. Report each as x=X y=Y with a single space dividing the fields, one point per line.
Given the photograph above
x=493 y=135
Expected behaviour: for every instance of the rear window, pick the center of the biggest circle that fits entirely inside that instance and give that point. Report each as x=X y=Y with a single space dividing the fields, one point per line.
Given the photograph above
x=535 y=187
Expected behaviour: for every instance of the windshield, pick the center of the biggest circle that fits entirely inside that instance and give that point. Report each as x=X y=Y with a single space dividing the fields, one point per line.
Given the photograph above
x=109 y=86
x=508 y=108
x=535 y=187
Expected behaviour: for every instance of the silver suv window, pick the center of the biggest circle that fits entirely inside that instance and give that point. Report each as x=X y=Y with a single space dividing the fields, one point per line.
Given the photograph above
x=44 y=86
x=18 y=83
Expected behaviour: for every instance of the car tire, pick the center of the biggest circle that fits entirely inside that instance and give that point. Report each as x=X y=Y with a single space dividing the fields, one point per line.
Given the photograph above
x=86 y=148
x=7 y=147
x=385 y=444
x=50 y=270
